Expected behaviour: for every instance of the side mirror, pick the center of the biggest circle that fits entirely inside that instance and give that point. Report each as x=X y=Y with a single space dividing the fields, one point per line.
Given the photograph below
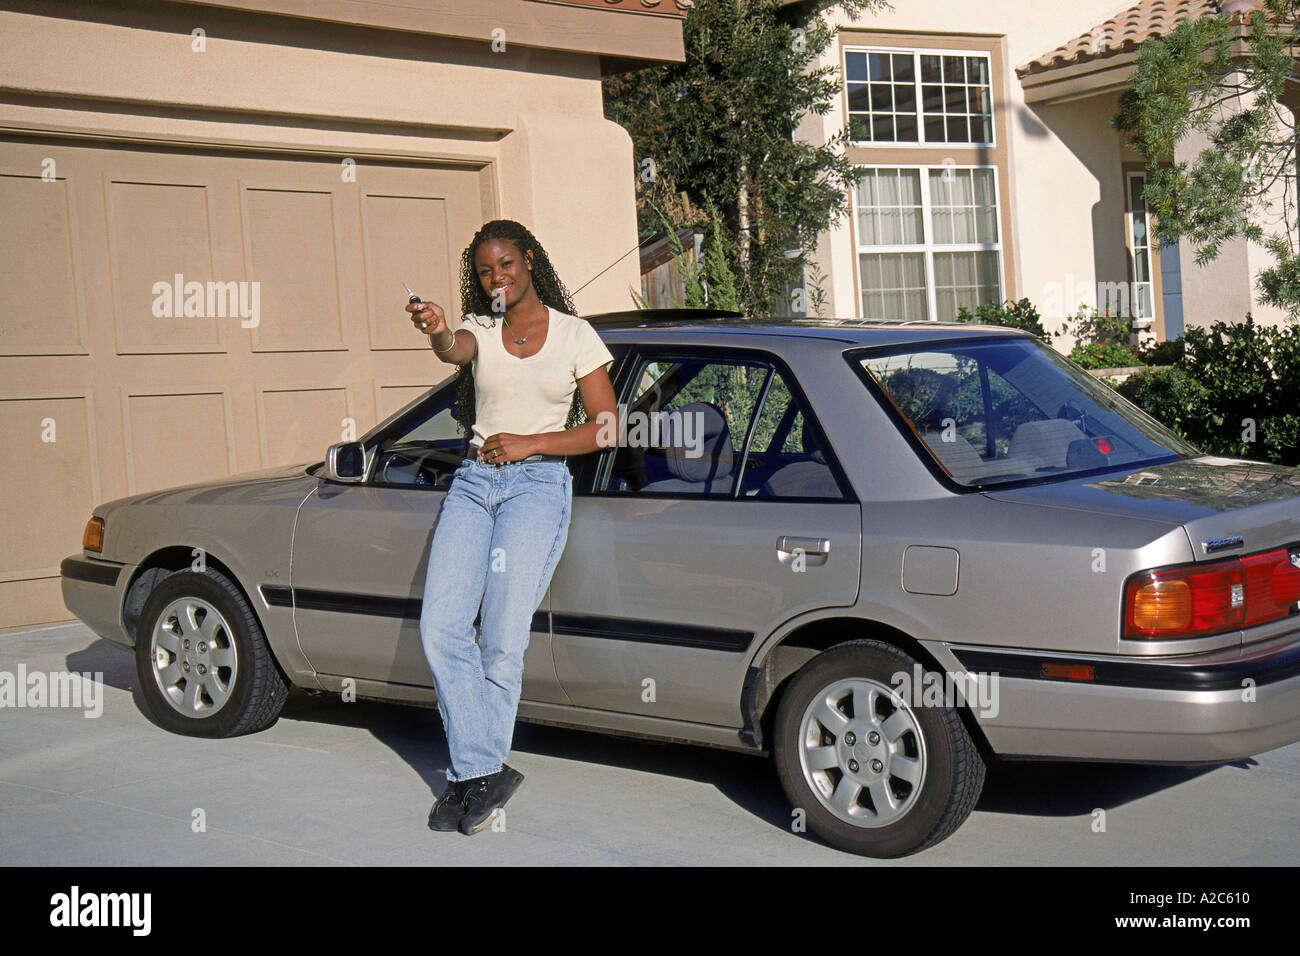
x=346 y=462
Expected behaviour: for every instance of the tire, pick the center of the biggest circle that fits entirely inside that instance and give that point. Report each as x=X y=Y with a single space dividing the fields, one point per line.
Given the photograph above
x=241 y=690
x=904 y=791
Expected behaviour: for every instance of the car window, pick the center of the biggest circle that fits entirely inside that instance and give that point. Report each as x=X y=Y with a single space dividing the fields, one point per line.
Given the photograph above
x=686 y=424
x=684 y=427
x=422 y=448
x=1005 y=410
x=786 y=454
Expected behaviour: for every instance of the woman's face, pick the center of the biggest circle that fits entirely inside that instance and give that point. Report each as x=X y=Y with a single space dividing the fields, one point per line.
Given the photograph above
x=502 y=268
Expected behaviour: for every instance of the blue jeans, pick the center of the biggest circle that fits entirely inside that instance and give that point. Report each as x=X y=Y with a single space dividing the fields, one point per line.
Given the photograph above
x=498 y=538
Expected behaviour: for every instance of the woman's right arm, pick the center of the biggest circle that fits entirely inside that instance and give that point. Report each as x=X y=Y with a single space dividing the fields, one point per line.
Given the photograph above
x=447 y=345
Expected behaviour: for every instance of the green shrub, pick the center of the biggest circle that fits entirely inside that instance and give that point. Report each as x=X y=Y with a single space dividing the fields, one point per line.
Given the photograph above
x=1016 y=315
x=1231 y=379
x=1109 y=355
x=1162 y=353
x=1176 y=400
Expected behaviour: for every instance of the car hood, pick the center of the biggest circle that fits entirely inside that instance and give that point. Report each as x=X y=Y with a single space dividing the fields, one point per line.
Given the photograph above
x=217 y=489
x=1216 y=499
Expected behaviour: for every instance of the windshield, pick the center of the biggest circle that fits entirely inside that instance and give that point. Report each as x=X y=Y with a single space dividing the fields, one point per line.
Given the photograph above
x=1003 y=410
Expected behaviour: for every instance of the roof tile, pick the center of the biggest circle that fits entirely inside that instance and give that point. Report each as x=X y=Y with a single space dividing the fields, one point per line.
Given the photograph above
x=1125 y=31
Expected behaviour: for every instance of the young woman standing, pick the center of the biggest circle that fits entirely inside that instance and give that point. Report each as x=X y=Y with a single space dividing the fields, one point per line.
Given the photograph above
x=530 y=371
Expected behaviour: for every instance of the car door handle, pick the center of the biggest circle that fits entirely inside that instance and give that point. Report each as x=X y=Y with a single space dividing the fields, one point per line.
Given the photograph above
x=813 y=550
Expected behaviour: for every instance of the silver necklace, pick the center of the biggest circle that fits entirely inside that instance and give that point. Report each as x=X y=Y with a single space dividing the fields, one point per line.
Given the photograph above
x=512 y=331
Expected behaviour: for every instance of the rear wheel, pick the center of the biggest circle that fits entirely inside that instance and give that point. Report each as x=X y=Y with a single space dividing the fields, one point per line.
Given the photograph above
x=204 y=666
x=876 y=773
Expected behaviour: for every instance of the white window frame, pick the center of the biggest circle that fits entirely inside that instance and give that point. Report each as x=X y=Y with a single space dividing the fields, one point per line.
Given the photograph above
x=929 y=247
x=917 y=53
x=1129 y=217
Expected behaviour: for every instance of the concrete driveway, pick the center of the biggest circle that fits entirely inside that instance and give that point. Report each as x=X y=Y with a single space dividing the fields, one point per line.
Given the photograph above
x=335 y=783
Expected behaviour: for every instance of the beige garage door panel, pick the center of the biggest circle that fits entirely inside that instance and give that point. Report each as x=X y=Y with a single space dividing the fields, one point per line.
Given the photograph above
x=42 y=313
x=96 y=232
x=156 y=231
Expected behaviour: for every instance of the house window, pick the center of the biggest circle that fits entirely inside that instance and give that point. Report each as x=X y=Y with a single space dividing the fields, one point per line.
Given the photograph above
x=1139 y=233
x=928 y=240
x=919 y=97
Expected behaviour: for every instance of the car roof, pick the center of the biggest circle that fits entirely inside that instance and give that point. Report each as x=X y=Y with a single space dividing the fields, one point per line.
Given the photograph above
x=724 y=328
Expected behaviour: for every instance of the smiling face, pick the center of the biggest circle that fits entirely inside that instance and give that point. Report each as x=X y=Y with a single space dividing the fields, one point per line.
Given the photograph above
x=502 y=268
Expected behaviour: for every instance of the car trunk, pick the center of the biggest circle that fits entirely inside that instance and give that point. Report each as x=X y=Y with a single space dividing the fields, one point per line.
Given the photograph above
x=1216 y=500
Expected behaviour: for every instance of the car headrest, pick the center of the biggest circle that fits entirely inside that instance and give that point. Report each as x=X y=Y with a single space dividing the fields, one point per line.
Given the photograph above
x=712 y=458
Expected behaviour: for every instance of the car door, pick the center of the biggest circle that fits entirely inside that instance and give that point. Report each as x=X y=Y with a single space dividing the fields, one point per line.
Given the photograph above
x=360 y=552
x=721 y=515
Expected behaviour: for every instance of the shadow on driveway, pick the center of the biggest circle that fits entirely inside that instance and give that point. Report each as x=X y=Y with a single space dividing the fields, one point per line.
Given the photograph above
x=1030 y=788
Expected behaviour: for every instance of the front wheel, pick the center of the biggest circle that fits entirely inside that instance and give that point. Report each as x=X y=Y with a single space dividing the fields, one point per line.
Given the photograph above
x=203 y=663
x=876 y=773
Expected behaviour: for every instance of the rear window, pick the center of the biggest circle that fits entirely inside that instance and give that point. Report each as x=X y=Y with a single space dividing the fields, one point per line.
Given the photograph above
x=1012 y=410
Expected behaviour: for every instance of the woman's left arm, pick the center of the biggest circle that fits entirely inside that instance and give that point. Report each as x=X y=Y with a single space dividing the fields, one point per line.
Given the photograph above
x=599 y=431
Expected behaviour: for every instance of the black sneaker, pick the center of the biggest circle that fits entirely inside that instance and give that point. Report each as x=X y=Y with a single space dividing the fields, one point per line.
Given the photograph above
x=484 y=795
x=446 y=813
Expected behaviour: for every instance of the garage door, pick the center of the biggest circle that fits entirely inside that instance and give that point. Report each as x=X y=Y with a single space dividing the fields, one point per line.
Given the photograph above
x=171 y=315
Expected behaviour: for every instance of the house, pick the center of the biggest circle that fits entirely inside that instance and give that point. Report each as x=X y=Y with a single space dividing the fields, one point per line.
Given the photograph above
x=209 y=209
x=991 y=171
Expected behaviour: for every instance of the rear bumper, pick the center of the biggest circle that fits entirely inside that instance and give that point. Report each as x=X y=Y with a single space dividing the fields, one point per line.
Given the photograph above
x=93 y=591
x=1205 y=708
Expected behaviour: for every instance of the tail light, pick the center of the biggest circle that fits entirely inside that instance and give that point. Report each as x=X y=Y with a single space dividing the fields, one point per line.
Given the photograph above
x=1207 y=599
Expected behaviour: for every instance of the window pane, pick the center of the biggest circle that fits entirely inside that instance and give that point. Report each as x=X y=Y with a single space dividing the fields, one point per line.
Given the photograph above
x=905 y=99
x=913 y=227
x=886 y=187
x=906 y=128
x=882 y=128
x=881 y=99
x=956 y=103
x=859 y=98
x=942 y=220
x=867 y=227
x=909 y=187
x=683 y=436
x=891 y=230
x=964 y=210
x=855 y=67
x=893 y=285
x=904 y=72
x=962 y=192
x=965 y=278
x=880 y=66
x=786 y=457
x=1018 y=434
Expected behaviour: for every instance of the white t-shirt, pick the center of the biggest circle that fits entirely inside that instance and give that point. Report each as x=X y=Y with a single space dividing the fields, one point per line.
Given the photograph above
x=527 y=396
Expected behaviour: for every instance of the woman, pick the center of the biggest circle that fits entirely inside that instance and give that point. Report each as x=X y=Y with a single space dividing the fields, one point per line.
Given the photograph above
x=529 y=372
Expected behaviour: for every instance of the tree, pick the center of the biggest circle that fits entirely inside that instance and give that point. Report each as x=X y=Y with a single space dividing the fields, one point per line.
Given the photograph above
x=1230 y=80
x=720 y=127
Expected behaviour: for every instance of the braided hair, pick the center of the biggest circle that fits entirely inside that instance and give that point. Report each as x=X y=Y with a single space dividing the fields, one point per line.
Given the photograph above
x=474 y=300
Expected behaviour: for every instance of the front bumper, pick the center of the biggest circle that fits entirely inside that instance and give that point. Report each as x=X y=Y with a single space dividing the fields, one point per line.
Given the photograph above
x=1204 y=708
x=93 y=590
